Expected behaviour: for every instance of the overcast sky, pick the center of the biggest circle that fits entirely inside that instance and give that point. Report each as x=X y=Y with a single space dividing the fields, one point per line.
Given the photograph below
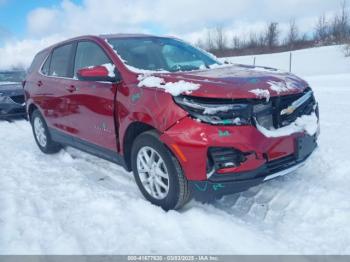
x=38 y=22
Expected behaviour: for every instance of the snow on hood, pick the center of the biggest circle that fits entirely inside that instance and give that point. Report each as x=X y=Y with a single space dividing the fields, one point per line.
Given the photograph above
x=261 y=93
x=221 y=81
x=174 y=88
x=235 y=81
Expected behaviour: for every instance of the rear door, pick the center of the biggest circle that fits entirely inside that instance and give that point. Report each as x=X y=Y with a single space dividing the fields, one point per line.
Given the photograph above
x=55 y=79
x=94 y=118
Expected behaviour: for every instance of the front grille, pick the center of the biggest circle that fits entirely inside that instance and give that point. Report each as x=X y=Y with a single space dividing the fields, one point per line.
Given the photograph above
x=271 y=116
x=18 y=99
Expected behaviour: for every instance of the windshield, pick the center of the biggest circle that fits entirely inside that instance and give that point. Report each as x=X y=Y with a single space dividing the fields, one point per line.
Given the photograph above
x=157 y=53
x=12 y=77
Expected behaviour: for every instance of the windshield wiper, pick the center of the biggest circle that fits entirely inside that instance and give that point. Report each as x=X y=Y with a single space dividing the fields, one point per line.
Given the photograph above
x=177 y=68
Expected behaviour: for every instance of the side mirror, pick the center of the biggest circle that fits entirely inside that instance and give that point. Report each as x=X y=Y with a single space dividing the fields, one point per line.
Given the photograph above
x=98 y=73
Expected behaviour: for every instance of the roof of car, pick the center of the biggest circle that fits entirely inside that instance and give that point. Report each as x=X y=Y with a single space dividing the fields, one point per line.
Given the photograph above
x=102 y=36
x=125 y=35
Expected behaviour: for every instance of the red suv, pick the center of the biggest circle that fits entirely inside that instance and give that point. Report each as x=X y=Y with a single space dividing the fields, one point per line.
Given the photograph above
x=186 y=124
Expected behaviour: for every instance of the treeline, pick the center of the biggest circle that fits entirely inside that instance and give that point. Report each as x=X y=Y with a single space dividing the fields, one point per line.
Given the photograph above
x=327 y=31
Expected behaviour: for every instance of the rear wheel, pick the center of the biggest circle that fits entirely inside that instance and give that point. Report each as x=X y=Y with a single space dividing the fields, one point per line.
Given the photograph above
x=42 y=135
x=158 y=173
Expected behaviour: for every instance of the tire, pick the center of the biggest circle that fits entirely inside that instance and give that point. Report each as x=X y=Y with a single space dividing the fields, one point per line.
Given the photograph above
x=178 y=193
x=42 y=135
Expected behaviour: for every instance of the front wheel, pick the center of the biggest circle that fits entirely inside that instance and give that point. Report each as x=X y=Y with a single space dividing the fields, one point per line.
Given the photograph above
x=158 y=173
x=42 y=135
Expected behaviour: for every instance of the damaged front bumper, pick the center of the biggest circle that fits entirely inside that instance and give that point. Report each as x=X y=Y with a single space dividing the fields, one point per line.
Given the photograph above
x=262 y=158
x=218 y=185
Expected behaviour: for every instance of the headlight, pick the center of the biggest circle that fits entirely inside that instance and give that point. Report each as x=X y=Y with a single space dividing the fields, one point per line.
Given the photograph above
x=263 y=114
x=216 y=112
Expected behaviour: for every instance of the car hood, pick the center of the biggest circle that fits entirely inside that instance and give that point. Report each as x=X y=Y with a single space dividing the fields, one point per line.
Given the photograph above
x=12 y=88
x=240 y=81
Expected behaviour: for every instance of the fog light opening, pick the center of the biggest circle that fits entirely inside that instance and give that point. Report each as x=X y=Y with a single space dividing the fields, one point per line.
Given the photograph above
x=224 y=158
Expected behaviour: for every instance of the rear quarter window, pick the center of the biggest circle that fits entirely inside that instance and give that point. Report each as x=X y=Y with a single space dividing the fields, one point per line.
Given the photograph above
x=37 y=61
x=46 y=66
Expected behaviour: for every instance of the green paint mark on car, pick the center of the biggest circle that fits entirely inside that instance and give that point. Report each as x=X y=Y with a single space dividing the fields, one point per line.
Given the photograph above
x=224 y=133
x=201 y=188
x=254 y=80
x=135 y=97
x=227 y=122
x=217 y=187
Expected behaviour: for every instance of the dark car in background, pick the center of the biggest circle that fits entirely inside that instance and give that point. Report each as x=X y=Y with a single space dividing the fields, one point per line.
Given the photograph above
x=11 y=94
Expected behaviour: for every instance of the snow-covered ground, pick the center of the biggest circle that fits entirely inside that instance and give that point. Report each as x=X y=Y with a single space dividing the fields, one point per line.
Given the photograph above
x=74 y=203
x=306 y=62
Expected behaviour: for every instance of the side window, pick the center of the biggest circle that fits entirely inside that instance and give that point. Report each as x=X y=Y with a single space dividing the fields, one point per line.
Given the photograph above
x=89 y=54
x=46 y=66
x=38 y=59
x=60 y=61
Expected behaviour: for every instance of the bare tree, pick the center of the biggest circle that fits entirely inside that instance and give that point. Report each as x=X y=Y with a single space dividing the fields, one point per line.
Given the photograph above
x=340 y=24
x=220 y=38
x=261 y=41
x=293 y=34
x=322 y=31
x=236 y=42
x=253 y=41
x=209 y=41
x=272 y=35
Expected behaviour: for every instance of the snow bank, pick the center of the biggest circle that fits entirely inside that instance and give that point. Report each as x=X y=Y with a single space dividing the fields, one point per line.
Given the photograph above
x=74 y=203
x=174 y=88
x=307 y=123
x=325 y=60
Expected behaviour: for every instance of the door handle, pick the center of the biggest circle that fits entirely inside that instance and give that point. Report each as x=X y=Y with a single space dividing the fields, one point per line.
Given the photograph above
x=39 y=83
x=71 y=88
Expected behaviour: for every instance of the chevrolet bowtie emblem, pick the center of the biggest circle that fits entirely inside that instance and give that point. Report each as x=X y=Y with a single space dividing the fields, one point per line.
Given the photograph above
x=296 y=104
x=288 y=111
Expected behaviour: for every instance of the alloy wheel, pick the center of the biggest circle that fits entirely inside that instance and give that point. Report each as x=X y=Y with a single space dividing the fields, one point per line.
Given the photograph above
x=153 y=173
x=40 y=133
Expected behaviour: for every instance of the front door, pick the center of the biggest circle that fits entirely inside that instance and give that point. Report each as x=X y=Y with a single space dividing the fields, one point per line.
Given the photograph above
x=94 y=119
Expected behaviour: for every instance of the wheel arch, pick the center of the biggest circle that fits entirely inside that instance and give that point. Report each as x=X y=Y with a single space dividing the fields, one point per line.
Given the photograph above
x=133 y=131
x=31 y=108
